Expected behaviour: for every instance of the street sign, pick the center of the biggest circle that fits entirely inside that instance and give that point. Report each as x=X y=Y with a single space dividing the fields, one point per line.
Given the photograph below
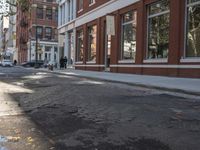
x=110 y=25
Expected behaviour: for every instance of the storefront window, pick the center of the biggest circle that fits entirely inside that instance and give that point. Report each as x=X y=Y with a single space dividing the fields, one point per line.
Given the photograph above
x=193 y=29
x=79 y=46
x=158 y=30
x=129 y=23
x=92 y=43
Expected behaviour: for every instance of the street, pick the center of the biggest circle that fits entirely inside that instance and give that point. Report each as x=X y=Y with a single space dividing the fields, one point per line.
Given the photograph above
x=48 y=111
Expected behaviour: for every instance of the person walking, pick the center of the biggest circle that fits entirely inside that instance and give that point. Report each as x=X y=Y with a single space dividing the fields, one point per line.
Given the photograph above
x=61 y=63
x=65 y=62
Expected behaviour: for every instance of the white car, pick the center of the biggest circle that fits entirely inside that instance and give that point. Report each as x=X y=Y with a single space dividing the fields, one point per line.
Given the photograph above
x=7 y=63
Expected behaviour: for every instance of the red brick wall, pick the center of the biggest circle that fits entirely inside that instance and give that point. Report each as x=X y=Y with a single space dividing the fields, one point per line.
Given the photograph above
x=176 y=42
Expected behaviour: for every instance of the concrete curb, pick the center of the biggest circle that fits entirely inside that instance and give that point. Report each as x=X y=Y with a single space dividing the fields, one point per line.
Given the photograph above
x=128 y=83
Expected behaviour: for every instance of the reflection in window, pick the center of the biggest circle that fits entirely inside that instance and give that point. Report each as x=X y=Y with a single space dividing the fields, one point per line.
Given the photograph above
x=158 y=30
x=193 y=28
x=92 y=43
x=129 y=23
x=79 y=53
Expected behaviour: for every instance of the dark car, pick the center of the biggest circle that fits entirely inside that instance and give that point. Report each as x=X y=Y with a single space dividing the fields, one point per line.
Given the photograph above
x=33 y=63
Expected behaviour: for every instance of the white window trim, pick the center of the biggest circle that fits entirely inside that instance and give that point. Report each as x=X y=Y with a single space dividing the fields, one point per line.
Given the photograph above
x=79 y=11
x=79 y=62
x=185 y=58
x=92 y=3
x=156 y=60
x=128 y=61
x=91 y=62
x=190 y=60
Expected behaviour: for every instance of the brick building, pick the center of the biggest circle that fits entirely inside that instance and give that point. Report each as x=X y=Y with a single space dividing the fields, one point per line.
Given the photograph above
x=22 y=34
x=153 y=37
x=41 y=20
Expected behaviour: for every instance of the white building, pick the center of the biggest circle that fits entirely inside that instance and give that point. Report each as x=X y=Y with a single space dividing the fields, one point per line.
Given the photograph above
x=66 y=29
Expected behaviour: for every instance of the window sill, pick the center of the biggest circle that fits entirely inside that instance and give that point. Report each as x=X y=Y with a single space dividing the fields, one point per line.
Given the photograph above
x=80 y=10
x=156 y=60
x=78 y=62
x=190 y=60
x=91 y=62
x=91 y=4
x=128 y=61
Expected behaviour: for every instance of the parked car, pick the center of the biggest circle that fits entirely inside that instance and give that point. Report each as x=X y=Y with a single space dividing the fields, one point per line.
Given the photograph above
x=7 y=63
x=32 y=64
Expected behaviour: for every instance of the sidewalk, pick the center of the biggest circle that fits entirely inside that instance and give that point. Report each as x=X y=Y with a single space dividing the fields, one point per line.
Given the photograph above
x=185 y=85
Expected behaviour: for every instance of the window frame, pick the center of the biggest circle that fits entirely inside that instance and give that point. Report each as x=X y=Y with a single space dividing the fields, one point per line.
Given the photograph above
x=48 y=15
x=51 y=33
x=121 y=60
x=42 y=33
x=154 y=60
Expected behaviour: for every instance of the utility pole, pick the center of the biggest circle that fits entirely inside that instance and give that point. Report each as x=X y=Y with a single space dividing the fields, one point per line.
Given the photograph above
x=36 y=49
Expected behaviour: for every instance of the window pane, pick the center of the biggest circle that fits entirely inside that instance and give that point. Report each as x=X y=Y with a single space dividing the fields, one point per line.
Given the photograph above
x=80 y=46
x=40 y=13
x=192 y=1
x=49 y=14
x=158 y=37
x=128 y=17
x=159 y=7
x=48 y=33
x=40 y=32
x=129 y=36
x=193 y=32
x=92 y=44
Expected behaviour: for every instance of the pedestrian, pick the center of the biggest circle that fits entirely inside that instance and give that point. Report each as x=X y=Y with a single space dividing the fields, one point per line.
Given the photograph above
x=65 y=62
x=61 y=63
x=15 y=62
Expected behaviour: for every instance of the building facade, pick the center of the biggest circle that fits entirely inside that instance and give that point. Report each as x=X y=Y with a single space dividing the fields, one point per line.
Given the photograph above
x=152 y=37
x=22 y=34
x=66 y=29
x=43 y=24
x=38 y=27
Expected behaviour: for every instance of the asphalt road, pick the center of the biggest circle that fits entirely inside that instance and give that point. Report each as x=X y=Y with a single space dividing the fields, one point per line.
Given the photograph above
x=47 y=111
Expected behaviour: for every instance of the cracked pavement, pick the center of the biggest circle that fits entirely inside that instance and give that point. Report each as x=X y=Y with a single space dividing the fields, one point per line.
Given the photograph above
x=42 y=110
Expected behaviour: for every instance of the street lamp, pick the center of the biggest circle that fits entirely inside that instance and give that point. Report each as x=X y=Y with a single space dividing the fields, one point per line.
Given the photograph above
x=36 y=49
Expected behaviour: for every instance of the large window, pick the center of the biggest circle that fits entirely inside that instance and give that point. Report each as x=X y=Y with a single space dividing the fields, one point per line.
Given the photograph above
x=40 y=32
x=48 y=33
x=158 y=30
x=40 y=13
x=79 y=52
x=193 y=29
x=129 y=23
x=92 y=43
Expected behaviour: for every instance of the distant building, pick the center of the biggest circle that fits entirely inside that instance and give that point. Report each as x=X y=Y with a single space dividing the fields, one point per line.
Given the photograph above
x=41 y=22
